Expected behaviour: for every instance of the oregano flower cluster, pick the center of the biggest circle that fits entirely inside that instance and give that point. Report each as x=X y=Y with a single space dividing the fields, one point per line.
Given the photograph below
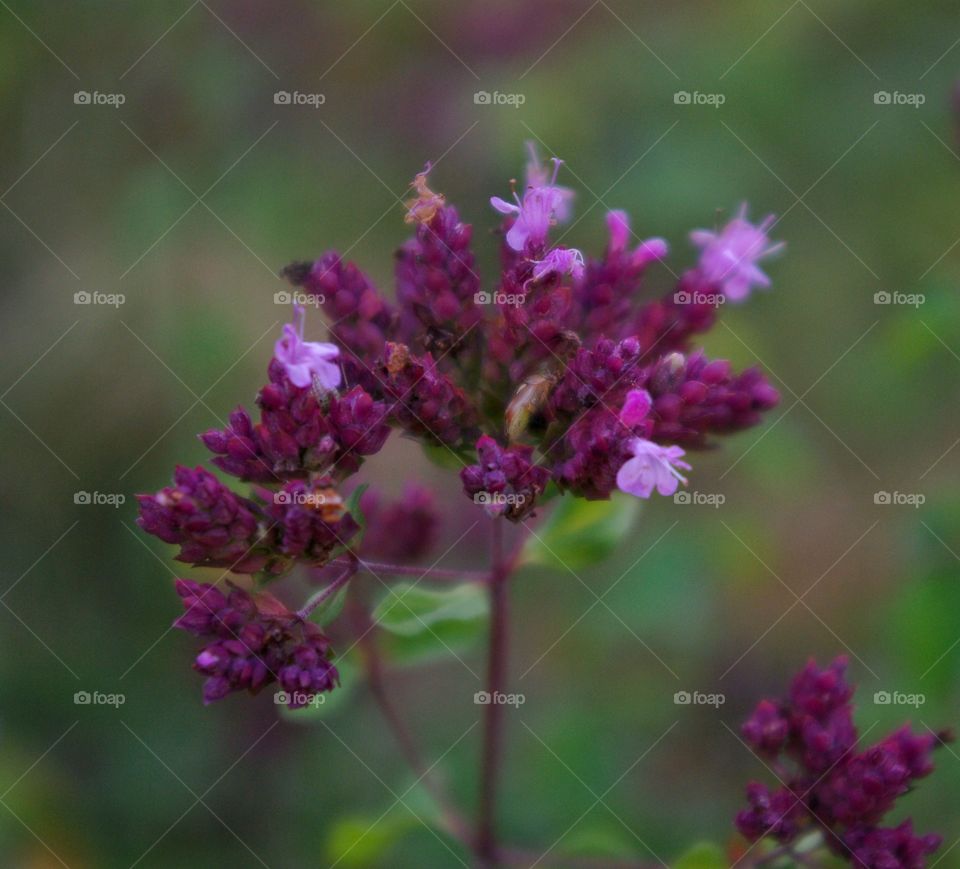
x=560 y=376
x=830 y=785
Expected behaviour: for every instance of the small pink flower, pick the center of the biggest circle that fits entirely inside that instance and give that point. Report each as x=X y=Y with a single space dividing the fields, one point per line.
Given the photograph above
x=729 y=258
x=539 y=210
x=635 y=408
x=652 y=467
x=304 y=360
x=537 y=176
x=562 y=260
x=618 y=225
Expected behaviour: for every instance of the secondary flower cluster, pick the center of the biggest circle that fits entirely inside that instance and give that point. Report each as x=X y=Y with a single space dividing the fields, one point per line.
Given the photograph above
x=827 y=783
x=559 y=374
x=253 y=641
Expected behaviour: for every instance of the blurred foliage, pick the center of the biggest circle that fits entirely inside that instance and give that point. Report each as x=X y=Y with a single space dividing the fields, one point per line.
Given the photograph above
x=690 y=597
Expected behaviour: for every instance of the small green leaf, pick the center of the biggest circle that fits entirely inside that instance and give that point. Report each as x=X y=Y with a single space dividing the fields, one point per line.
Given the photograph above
x=704 y=855
x=327 y=611
x=580 y=532
x=409 y=609
x=445 y=457
x=360 y=841
x=353 y=505
x=363 y=842
x=425 y=622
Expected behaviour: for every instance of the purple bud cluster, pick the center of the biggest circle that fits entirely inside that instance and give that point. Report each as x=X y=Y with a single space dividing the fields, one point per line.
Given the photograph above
x=295 y=437
x=401 y=530
x=213 y=526
x=505 y=481
x=253 y=641
x=436 y=283
x=826 y=783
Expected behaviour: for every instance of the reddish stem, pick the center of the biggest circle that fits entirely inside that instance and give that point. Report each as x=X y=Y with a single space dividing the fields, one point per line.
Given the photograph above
x=376 y=567
x=493 y=712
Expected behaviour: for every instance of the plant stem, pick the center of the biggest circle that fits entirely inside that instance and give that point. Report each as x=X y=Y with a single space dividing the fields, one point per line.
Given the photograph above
x=453 y=821
x=493 y=712
x=376 y=567
x=316 y=599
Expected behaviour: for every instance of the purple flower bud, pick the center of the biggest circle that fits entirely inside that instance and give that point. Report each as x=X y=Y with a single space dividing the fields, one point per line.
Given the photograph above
x=253 y=641
x=402 y=530
x=425 y=401
x=213 y=526
x=833 y=787
x=504 y=481
x=311 y=520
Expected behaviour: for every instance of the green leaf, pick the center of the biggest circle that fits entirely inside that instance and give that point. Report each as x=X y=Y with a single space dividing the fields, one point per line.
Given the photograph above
x=425 y=622
x=445 y=457
x=353 y=505
x=580 y=532
x=362 y=842
x=331 y=607
x=704 y=855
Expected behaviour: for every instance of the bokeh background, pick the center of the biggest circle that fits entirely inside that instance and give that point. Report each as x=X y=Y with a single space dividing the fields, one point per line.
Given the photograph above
x=189 y=197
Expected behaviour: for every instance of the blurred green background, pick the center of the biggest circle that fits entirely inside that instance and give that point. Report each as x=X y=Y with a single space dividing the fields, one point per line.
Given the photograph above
x=189 y=197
